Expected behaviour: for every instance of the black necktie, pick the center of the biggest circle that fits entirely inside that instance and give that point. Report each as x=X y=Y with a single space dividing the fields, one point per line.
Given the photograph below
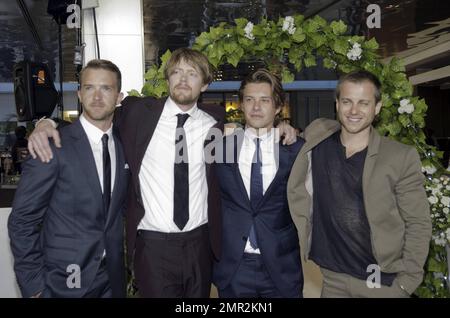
x=181 y=175
x=106 y=174
x=256 y=188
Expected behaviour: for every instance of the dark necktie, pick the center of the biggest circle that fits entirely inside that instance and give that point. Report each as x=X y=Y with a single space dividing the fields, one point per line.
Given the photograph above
x=256 y=188
x=181 y=175
x=106 y=174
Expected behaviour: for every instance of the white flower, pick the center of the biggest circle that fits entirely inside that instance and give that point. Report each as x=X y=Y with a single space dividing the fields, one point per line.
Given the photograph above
x=446 y=210
x=448 y=233
x=440 y=241
x=430 y=169
x=405 y=107
x=248 y=31
x=355 y=52
x=289 y=25
x=448 y=187
x=433 y=200
x=445 y=201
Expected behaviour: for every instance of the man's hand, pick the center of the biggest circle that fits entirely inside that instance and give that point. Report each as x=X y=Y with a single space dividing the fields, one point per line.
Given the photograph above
x=289 y=133
x=38 y=143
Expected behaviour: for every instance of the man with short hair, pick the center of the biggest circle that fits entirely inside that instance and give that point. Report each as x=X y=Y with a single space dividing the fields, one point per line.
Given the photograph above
x=66 y=224
x=358 y=200
x=260 y=254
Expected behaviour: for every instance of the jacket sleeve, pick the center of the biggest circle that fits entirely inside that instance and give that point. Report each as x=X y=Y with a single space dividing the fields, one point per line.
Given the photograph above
x=414 y=209
x=25 y=223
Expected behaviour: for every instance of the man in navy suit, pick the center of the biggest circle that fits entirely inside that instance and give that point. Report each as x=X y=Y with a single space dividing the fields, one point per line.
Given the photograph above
x=260 y=249
x=66 y=226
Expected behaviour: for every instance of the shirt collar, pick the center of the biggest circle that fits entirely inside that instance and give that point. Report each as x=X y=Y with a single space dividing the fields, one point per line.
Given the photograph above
x=250 y=134
x=171 y=110
x=94 y=133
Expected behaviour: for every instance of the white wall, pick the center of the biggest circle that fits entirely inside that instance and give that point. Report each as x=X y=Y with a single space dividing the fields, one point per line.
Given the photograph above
x=8 y=285
x=120 y=36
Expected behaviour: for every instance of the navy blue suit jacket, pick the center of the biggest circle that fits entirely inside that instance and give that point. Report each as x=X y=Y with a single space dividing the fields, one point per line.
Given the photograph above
x=58 y=220
x=275 y=230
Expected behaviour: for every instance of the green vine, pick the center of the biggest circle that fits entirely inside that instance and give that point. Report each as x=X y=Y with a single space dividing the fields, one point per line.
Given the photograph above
x=292 y=43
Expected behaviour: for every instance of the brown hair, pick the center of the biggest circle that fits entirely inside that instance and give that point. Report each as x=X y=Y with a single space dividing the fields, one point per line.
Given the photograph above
x=104 y=65
x=264 y=76
x=359 y=77
x=195 y=59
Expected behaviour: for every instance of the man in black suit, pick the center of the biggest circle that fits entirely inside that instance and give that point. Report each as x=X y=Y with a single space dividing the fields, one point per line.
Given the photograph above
x=66 y=225
x=260 y=253
x=173 y=214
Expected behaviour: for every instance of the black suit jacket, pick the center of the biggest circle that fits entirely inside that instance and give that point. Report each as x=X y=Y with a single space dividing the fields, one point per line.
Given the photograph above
x=137 y=120
x=276 y=233
x=58 y=220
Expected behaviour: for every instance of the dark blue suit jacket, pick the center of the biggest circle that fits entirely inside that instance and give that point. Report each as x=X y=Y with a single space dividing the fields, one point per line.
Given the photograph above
x=58 y=220
x=275 y=230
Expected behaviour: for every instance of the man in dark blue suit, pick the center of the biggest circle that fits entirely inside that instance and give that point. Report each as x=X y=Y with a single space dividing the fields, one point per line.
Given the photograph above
x=260 y=249
x=66 y=226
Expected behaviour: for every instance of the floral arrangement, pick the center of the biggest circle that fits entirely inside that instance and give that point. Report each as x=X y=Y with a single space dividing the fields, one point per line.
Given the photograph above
x=291 y=43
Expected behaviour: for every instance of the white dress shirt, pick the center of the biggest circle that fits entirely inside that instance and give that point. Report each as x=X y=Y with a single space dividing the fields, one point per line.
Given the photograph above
x=269 y=164
x=95 y=135
x=95 y=140
x=156 y=175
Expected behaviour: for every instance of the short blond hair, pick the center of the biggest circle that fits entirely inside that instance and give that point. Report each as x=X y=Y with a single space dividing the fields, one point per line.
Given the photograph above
x=195 y=59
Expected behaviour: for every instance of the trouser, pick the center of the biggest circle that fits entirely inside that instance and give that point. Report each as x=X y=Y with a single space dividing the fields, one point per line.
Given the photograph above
x=340 y=285
x=173 y=265
x=252 y=280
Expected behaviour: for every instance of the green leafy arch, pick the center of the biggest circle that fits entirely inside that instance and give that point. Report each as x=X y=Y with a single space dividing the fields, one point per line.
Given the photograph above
x=295 y=43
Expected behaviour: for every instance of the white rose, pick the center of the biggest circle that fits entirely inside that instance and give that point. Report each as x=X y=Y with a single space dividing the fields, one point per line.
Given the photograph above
x=429 y=169
x=445 y=201
x=433 y=200
x=291 y=30
x=288 y=23
x=448 y=187
x=409 y=108
x=248 y=31
x=445 y=210
x=404 y=102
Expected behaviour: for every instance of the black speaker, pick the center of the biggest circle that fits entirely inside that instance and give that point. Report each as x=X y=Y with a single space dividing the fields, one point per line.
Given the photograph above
x=58 y=9
x=34 y=91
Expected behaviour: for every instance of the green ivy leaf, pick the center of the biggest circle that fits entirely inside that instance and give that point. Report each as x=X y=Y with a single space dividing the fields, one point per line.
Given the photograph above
x=340 y=46
x=404 y=120
x=298 y=35
x=134 y=92
x=372 y=44
x=309 y=61
x=287 y=76
x=241 y=23
x=338 y=27
x=328 y=63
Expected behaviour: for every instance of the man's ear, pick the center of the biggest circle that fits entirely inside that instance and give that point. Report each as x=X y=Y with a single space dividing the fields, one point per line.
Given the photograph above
x=378 y=107
x=119 y=98
x=204 y=87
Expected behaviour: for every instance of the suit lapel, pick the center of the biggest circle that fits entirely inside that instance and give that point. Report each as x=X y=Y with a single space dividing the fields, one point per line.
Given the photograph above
x=282 y=163
x=369 y=164
x=146 y=127
x=86 y=159
x=233 y=145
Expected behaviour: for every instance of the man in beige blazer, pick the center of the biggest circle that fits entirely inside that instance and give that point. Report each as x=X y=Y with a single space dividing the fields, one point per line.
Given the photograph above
x=358 y=201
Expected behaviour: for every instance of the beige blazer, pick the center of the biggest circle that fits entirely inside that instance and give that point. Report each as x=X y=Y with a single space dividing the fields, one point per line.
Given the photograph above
x=394 y=198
